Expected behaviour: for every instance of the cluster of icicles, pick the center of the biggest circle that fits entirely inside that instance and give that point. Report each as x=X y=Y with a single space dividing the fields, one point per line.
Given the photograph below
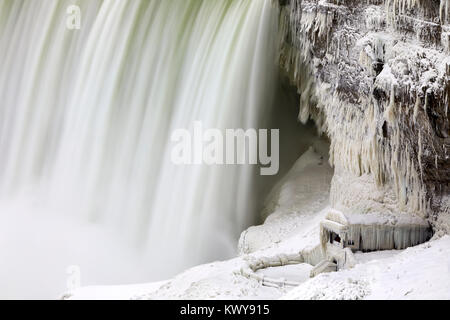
x=399 y=7
x=357 y=141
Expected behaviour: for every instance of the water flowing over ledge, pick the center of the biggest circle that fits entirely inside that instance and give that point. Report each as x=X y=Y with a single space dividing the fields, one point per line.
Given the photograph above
x=86 y=117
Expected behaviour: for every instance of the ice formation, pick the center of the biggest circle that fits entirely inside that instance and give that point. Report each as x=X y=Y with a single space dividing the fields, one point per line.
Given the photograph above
x=380 y=91
x=372 y=232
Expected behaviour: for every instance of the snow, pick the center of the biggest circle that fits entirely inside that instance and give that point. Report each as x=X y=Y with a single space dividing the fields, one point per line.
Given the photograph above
x=387 y=219
x=377 y=255
x=126 y=292
x=327 y=288
x=421 y=272
x=297 y=273
x=220 y=280
x=296 y=203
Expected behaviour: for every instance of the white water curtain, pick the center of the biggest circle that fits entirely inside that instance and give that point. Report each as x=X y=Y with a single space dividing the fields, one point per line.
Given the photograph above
x=86 y=116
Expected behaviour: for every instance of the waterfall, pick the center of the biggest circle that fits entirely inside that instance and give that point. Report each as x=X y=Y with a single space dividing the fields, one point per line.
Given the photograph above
x=86 y=117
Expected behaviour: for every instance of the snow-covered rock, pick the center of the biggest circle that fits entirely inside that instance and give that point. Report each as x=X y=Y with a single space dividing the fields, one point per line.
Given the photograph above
x=375 y=76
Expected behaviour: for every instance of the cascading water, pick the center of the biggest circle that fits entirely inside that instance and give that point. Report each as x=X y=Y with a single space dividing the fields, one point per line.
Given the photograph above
x=85 y=123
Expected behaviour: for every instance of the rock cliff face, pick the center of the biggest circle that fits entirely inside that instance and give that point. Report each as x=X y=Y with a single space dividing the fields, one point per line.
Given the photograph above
x=375 y=77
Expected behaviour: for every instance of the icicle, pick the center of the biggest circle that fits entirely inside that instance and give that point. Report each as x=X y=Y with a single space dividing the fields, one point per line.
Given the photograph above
x=420 y=153
x=425 y=106
x=389 y=113
x=444 y=9
x=416 y=107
